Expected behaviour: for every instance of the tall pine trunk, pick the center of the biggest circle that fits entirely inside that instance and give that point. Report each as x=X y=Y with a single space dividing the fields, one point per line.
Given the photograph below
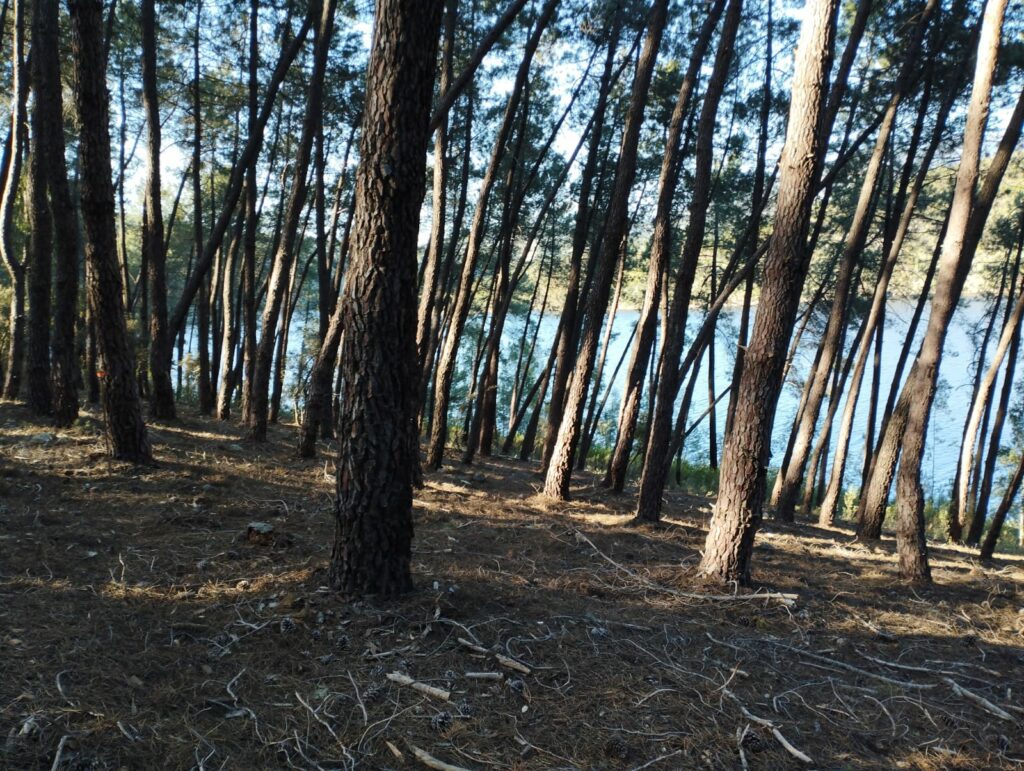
x=737 y=515
x=126 y=431
x=378 y=451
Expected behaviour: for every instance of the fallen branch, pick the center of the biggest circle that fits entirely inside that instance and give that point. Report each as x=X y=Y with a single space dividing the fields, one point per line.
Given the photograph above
x=984 y=703
x=427 y=690
x=850 y=668
x=484 y=675
x=786 y=598
x=786 y=744
x=430 y=761
x=510 y=663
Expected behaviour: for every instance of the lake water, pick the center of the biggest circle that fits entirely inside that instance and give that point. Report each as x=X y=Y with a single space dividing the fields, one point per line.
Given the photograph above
x=948 y=415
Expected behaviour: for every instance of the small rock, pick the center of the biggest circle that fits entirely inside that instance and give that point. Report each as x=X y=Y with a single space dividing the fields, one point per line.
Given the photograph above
x=45 y=437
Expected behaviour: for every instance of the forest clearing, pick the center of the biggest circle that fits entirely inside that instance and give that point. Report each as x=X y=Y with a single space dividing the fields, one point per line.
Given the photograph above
x=512 y=384
x=144 y=627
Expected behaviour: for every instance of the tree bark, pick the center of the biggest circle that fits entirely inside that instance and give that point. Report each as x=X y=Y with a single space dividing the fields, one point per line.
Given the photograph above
x=954 y=264
x=377 y=437
x=463 y=300
x=161 y=404
x=654 y=476
x=856 y=236
x=126 y=431
x=737 y=515
x=277 y=288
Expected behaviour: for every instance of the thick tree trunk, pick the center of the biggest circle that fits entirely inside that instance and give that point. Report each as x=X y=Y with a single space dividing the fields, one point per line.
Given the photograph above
x=126 y=431
x=737 y=515
x=966 y=221
x=377 y=437
x=856 y=235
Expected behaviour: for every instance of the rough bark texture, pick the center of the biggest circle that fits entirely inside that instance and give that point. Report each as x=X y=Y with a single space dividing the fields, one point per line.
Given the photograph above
x=737 y=515
x=377 y=437
x=856 y=235
x=126 y=431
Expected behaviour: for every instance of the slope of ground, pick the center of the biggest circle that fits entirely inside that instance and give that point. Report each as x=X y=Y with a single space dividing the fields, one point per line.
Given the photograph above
x=141 y=627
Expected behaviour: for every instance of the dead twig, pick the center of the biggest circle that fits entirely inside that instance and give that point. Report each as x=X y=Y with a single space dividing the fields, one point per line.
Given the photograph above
x=430 y=761
x=426 y=690
x=981 y=701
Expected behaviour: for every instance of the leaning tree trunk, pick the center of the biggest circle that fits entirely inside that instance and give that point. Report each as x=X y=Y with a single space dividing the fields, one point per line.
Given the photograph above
x=661 y=248
x=378 y=450
x=657 y=458
x=559 y=470
x=785 y=502
x=875 y=325
x=566 y=338
x=737 y=515
x=126 y=431
x=283 y=268
x=954 y=264
x=464 y=297
x=989 y=546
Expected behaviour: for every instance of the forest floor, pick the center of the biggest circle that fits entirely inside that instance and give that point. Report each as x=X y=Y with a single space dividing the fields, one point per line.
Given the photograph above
x=142 y=627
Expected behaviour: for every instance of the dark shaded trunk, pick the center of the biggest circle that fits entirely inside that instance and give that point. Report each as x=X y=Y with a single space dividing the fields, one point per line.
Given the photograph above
x=378 y=456
x=161 y=402
x=126 y=432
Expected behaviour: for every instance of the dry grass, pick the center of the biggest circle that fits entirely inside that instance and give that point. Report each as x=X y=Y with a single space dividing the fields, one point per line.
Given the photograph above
x=140 y=629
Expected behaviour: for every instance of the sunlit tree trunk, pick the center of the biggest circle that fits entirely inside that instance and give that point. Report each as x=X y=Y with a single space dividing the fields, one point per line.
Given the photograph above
x=737 y=514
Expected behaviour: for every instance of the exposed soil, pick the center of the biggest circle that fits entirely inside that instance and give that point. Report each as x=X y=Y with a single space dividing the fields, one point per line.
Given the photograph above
x=141 y=628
